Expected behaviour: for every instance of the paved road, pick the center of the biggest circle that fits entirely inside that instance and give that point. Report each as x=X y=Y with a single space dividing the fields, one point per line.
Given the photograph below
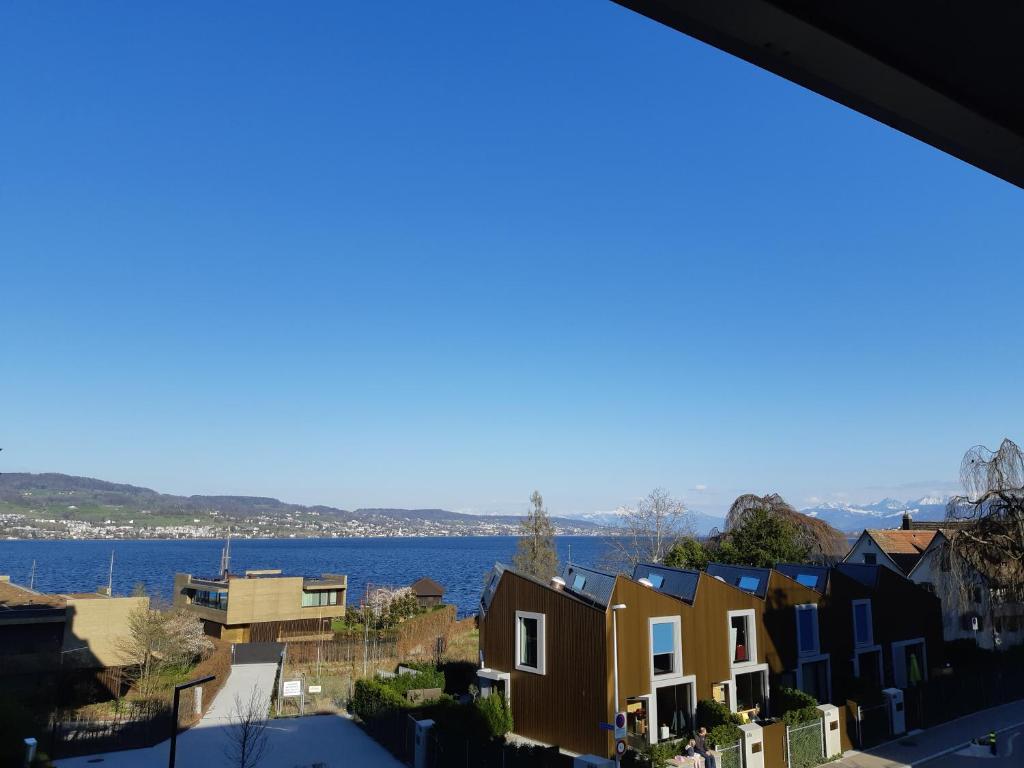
x=936 y=747
x=244 y=682
x=1009 y=754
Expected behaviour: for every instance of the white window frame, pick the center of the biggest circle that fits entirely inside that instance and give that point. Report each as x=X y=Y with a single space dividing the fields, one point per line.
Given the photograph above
x=751 y=662
x=677 y=650
x=744 y=669
x=827 y=658
x=858 y=652
x=816 y=650
x=498 y=677
x=871 y=623
x=652 y=701
x=541 y=667
x=899 y=645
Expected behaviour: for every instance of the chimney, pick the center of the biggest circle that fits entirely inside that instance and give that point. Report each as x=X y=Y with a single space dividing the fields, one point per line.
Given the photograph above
x=557 y=582
x=907 y=521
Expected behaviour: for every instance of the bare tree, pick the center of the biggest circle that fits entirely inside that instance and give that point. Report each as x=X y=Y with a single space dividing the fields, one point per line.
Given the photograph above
x=247 y=735
x=987 y=523
x=650 y=529
x=156 y=640
x=535 y=553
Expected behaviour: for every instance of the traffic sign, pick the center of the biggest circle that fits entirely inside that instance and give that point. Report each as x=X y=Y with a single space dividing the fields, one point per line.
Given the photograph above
x=606 y=726
x=620 y=747
x=620 y=725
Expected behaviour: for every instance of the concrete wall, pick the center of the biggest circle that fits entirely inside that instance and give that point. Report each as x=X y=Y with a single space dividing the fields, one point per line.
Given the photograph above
x=96 y=626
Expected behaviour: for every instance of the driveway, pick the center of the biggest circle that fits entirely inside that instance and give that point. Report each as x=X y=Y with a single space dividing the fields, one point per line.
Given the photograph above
x=330 y=741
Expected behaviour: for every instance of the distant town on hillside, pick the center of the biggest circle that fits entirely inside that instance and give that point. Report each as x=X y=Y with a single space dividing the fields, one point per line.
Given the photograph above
x=58 y=506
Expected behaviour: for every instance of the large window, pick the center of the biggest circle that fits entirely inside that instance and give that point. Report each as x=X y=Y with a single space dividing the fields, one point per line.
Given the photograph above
x=814 y=679
x=319 y=598
x=666 y=647
x=530 y=642
x=807 y=629
x=207 y=599
x=751 y=692
x=742 y=637
x=863 y=633
x=675 y=716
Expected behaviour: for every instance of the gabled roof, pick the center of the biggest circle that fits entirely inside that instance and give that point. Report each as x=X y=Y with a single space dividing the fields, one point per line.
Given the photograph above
x=752 y=580
x=904 y=548
x=811 y=576
x=594 y=584
x=426 y=587
x=677 y=582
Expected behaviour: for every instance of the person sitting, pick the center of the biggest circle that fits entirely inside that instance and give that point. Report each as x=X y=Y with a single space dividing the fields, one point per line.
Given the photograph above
x=703 y=748
x=691 y=751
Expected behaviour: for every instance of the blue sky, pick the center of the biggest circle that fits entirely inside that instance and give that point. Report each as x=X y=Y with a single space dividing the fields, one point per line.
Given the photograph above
x=443 y=254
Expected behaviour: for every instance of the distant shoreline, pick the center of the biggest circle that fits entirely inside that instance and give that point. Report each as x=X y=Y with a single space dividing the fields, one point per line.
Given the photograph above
x=309 y=538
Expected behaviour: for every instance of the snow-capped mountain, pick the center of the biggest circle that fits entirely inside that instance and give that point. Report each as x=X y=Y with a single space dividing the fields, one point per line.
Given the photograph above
x=702 y=523
x=887 y=513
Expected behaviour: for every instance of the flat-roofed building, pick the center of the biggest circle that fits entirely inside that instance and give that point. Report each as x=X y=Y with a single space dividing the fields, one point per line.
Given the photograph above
x=263 y=606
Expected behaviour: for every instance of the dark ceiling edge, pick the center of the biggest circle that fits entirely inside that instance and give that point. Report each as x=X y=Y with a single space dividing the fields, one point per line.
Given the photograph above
x=778 y=42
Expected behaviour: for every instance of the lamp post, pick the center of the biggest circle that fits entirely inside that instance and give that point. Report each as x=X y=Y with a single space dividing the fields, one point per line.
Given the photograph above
x=174 y=715
x=615 y=665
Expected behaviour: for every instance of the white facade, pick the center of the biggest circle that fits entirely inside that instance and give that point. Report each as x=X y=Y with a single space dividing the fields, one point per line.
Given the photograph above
x=1005 y=621
x=867 y=552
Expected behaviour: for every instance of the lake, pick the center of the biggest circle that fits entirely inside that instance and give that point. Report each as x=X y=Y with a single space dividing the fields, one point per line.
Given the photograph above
x=459 y=563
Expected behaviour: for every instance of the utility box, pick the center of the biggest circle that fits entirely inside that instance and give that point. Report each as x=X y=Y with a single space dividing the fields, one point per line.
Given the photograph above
x=421 y=754
x=753 y=745
x=592 y=761
x=830 y=722
x=897 y=713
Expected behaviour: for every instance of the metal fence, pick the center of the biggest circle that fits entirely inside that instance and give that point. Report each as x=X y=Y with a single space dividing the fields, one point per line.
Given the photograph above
x=805 y=745
x=731 y=756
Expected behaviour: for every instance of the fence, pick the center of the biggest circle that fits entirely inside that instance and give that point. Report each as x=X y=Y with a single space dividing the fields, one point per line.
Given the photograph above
x=131 y=727
x=873 y=725
x=731 y=756
x=805 y=745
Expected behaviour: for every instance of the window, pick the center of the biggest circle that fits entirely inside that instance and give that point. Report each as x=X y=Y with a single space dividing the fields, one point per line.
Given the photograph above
x=862 y=631
x=749 y=583
x=814 y=679
x=742 y=637
x=530 y=642
x=666 y=648
x=807 y=629
x=751 y=693
x=319 y=598
x=674 y=710
x=870 y=558
x=656 y=580
x=207 y=599
x=808 y=580
x=579 y=582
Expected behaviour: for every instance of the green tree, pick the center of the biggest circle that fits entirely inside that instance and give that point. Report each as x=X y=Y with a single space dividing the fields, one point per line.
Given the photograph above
x=688 y=553
x=535 y=554
x=762 y=539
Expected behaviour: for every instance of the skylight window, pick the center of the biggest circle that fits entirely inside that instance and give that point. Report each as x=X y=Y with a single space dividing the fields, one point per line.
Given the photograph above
x=579 y=582
x=807 y=579
x=749 y=583
x=656 y=580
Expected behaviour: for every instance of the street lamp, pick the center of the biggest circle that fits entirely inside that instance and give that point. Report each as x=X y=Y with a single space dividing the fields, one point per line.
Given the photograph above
x=615 y=665
x=174 y=716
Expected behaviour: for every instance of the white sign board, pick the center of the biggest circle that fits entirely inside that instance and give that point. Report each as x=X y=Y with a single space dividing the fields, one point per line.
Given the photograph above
x=292 y=688
x=314 y=689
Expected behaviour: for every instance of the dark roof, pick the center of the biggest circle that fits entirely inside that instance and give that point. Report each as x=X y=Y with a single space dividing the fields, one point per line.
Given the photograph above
x=861 y=572
x=752 y=580
x=427 y=587
x=677 y=582
x=811 y=576
x=593 y=584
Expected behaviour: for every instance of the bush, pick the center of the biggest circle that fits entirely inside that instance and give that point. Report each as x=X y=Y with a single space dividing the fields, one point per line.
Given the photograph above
x=372 y=698
x=426 y=676
x=713 y=713
x=725 y=735
x=796 y=706
x=497 y=716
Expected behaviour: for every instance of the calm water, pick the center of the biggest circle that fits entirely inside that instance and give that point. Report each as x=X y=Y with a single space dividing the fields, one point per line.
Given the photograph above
x=458 y=563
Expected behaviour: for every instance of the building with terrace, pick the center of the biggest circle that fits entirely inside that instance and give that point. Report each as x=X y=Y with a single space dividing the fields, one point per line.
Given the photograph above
x=263 y=605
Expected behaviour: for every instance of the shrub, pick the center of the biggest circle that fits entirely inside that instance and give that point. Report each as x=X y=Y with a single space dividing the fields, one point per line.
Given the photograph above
x=372 y=698
x=796 y=706
x=497 y=716
x=713 y=713
x=725 y=735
